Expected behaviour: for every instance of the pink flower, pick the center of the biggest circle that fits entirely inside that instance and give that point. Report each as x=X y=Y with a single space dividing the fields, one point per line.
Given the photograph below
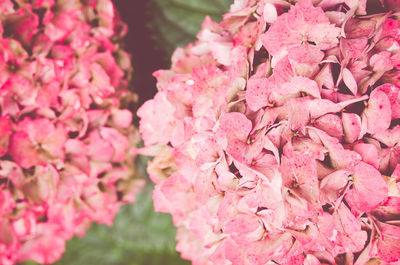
x=277 y=149
x=66 y=139
x=302 y=26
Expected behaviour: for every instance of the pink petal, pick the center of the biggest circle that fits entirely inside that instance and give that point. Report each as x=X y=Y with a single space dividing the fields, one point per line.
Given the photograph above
x=305 y=59
x=5 y=133
x=340 y=158
x=377 y=115
x=23 y=151
x=333 y=184
x=311 y=260
x=244 y=229
x=45 y=248
x=122 y=118
x=369 y=188
x=325 y=78
x=299 y=171
x=257 y=93
x=157 y=120
x=173 y=197
x=381 y=62
x=353 y=48
x=101 y=81
x=392 y=91
x=118 y=141
x=221 y=51
x=308 y=146
x=302 y=84
x=235 y=125
x=273 y=246
x=388 y=242
x=98 y=149
x=269 y=13
x=304 y=18
x=351 y=126
x=369 y=154
x=349 y=80
x=351 y=237
x=331 y=124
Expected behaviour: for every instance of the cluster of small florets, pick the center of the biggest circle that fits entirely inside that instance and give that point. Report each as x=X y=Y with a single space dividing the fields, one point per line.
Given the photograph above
x=277 y=136
x=65 y=130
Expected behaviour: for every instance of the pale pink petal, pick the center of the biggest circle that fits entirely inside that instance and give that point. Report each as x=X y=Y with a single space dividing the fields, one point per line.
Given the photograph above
x=377 y=115
x=388 y=242
x=257 y=93
x=351 y=237
x=244 y=229
x=381 y=62
x=311 y=260
x=351 y=126
x=369 y=188
x=269 y=13
x=369 y=154
x=349 y=80
x=156 y=120
x=333 y=184
x=221 y=51
x=122 y=118
x=296 y=26
x=235 y=125
x=331 y=124
x=392 y=91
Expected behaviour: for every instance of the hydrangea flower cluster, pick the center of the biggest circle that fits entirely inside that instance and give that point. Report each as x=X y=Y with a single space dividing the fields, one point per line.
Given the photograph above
x=276 y=135
x=65 y=128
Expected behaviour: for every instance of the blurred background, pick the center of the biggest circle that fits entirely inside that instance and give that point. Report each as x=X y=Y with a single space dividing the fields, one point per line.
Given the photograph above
x=140 y=236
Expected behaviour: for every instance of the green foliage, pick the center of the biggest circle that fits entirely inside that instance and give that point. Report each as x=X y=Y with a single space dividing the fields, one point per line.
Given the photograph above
x=175 y=23
x=139 y=236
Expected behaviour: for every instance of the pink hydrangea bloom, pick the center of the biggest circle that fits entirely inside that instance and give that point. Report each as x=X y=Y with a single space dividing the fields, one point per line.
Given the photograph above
x=66 y=134
x=282 y=147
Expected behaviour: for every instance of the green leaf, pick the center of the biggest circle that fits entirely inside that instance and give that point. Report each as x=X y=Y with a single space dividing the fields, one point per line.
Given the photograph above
x=139 y=236
x=175 y=23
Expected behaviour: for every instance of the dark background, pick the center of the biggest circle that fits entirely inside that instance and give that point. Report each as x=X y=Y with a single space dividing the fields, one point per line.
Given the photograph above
x=139 y=43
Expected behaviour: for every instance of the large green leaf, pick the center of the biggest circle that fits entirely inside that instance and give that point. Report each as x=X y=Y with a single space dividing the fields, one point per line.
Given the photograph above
x=175 y=23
